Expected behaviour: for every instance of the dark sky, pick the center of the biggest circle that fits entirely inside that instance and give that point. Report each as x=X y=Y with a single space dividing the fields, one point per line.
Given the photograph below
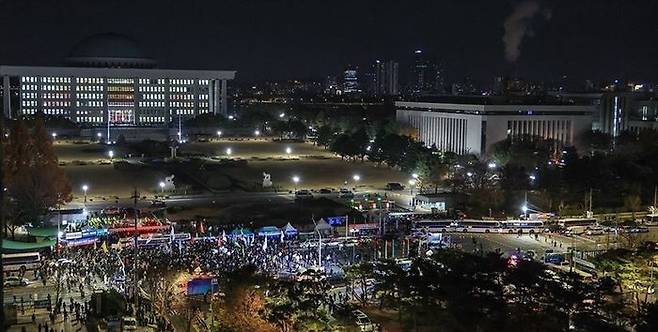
x=263 y=39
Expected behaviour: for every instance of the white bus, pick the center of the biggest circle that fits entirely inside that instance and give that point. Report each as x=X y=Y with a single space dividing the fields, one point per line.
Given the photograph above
x=21 y=262
x=480 y=226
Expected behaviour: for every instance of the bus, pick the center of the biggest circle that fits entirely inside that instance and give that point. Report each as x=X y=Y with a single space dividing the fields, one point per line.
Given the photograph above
x=479 y=226
x=577 y=226
x=21 y=262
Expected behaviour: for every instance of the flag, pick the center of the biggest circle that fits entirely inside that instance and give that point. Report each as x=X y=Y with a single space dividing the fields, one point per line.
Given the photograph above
x=104 y=247
x=172 y=234
x=281 y=236
x=223 y=236
x=265 y=244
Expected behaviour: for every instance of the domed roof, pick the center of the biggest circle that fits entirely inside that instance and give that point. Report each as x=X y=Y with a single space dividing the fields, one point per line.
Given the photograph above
x=109 y=50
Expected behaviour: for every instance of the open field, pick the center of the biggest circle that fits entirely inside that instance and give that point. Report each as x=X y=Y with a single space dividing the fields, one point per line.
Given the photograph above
x=254 y=149
x=316 y=168
x=104 y=180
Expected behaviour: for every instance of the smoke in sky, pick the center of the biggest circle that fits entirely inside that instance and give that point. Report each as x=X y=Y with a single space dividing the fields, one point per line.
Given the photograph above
x=518 y=26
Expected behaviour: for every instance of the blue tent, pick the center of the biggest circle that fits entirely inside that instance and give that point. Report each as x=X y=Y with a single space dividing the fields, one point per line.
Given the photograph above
x=289 y=230
x=241 y=232
x=268 y=231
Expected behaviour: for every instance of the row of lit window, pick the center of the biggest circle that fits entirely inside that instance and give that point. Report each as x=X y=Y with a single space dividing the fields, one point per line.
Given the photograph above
x=89 y=95
x=89 y=103
x=121 y=88
x=29 y=87
x=203 y=97
x=182 y=97
x=203 y=104
x=181 y=104
x=183 y=112
x=56 y=87
x=181 y=82
x=29 y=79
x=120 y=81
x=92 y=80
x=178 y=89
x=151 y=81
x=56 y=103
x=120 y=96
x=151 y=119
x=151 y=89
x=29 y=111
x=55 y=111
x=203 y=82
x=151 y=104
x=151 y=96
x=89 y=88
x=87 y=112
x=29 y=95
x=56 y=79
x=88 y=119
x=120 y=104
x=29 y=103
x=56 y=96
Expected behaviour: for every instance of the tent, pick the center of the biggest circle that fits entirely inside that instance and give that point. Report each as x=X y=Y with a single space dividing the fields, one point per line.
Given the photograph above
x=323 y=227
x=43 y=232
x=241 y=232
x=268 y=231
x=288 y=230
x=13 y=246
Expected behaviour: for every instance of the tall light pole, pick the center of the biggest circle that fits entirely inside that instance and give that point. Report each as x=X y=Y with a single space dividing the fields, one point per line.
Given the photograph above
x=229 y=151
x=111 y=155
x=295 y=179
x=162 y=185
x=219 y=134
x=84 y=189
x=288 y=151
x=356 y=179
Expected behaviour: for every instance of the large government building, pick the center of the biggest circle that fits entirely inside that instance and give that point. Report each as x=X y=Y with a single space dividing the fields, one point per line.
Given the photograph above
x=474 y=125
x=108 y=81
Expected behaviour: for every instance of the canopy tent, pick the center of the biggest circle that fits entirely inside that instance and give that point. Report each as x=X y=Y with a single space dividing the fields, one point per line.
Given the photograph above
x=241 y=232
x=323 y=227
x=268 y=231
x=289 y=230
x=9 y=245
x=43 y=232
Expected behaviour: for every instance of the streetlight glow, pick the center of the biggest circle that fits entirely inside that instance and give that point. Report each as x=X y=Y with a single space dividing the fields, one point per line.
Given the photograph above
x=415 y=175
x=162 y=185
x=282 y=115
x=492 y=165
x=219 y=133
x=257 y=132
x=111 y=154
x=99 y=135
x=524 y=209
x=229 y=151
x=356 y=177
x=288 y=150
x=85 y=188
x=295 y=179
x=54 y=135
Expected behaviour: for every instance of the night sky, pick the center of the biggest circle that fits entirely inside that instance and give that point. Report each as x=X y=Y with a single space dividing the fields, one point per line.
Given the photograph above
x=589 y=39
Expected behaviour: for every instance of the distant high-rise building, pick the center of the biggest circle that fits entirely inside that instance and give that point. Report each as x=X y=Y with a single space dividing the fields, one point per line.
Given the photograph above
x=350 y=81
x=385 y=78
x=331 y=85
x=426 y=77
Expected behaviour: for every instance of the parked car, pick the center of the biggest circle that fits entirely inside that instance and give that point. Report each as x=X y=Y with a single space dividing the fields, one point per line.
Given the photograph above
x=15 y=281
x=345 y=193
x=303 y=194
x=158 y=204
x=362 y=321
x=325 y=191
x=394 y=186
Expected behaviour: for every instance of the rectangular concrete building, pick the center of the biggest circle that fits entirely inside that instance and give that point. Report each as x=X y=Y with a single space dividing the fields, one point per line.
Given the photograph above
x=475 y=126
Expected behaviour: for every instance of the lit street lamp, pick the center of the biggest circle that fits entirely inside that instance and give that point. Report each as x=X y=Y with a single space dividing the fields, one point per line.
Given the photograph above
x=356 y=179
x=295 y=179
x=84 y=189
x=162 y=185
x=228 y=151
x=257 y=132
x=54 y=136
x=219 y=134
x=412 y=183
x=111 y=154
x=288 y=151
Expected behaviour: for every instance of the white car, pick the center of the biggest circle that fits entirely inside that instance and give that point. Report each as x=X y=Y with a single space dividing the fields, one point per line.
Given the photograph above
x=363 y=321
x=345 y=193
x=16 y=281
x=303 y=194
x=128 y=323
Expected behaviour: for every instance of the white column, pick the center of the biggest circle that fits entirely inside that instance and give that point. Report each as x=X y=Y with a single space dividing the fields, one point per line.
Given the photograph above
x=6 y=98
x=211 y=97
x=223 y=108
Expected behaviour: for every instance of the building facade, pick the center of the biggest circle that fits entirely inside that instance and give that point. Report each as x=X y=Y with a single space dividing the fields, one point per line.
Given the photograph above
x=109 y=82
x=476 y=127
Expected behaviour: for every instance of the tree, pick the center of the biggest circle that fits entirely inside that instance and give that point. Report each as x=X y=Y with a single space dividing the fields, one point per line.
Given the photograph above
x=325 y=135
x=360 y=140
x=35 y=183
